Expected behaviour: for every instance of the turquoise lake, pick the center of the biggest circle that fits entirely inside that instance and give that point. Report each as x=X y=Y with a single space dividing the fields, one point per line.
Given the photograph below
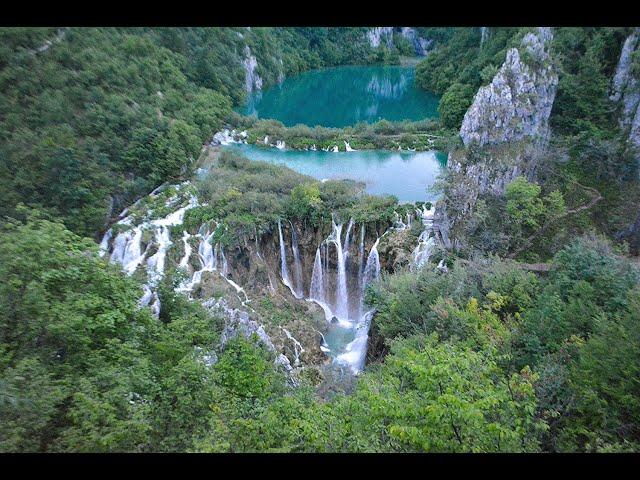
x=343 y=96
x=403 y=174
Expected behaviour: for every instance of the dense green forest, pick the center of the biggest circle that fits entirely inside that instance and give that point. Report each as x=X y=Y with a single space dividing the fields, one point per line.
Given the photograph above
x=106 y=115
x=493 y=356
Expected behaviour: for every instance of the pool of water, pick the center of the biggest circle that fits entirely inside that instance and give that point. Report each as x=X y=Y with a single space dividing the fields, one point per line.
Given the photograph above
x=407 y=175
x=342 y=96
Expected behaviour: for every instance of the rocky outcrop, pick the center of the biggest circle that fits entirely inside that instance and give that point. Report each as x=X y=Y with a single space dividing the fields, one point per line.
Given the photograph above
x=517 y=103
x=384 y=35
x=253 y=81
x=504 y=132
x=626 y=91
x=376 y=36
x=421 y=45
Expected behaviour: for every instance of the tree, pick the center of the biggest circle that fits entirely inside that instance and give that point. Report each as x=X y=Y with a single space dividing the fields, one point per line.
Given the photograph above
x=454 y=103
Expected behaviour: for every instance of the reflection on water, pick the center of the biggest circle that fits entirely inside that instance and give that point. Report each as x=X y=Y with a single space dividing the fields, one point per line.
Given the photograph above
x=407 y=175
x=342 y=96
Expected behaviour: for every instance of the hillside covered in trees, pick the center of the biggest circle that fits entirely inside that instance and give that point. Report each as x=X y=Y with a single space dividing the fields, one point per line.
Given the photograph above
x=517 y=331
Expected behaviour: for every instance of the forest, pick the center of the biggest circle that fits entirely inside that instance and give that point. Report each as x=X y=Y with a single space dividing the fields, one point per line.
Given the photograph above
x=529 y=342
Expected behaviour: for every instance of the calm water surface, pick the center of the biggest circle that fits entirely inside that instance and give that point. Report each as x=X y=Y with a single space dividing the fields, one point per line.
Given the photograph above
x=403 y=174
x=342 y=96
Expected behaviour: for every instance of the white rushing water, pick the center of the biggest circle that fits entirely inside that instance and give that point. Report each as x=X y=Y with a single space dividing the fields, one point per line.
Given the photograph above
x=284 y=269
x=337 y=283
x=127 y=246
x=184 y=262
x=342 y=299
x=343 y=308
x=426 y=240
x=297 y=264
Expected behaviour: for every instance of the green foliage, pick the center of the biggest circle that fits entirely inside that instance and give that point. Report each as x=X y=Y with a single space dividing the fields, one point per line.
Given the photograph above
x=103 y=115
x=82 y=367
x=454 y=104
x=460 y=59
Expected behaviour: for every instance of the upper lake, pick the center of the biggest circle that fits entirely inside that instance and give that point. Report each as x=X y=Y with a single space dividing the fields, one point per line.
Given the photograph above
x=343 y=96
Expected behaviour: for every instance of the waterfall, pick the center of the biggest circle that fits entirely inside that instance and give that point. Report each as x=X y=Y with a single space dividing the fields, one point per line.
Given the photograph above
x=284 y=271
x=225 y=265
x=355 y=352
x=426 y=241
x=132 y=256
x=342 y=300
x=347 y=239
x=208 y=257
x=184 y=262
x=104 y=244
x=297 y=346
x=208 y=260
x=484 y=33
x=297 y=264
x=348 y=147
x=155 y=305
x=316 y=290
x=146 y=296
x=361 y=251
x=372 y=268
x=155 y=263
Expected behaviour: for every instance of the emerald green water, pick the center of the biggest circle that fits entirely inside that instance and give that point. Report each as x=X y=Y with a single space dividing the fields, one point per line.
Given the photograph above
x=403 y=174
x=343 y=96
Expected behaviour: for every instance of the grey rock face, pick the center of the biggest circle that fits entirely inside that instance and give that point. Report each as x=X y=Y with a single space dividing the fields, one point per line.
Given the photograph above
x=517 y=103
x=504 y=131
x=253 y=81
x=238 y=323
x=377 y=34
x=626 y=90
x=421 y=45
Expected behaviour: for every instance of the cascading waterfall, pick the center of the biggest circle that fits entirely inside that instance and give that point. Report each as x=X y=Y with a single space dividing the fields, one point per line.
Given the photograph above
x=426 y=241
x=184 y=261
x=347 y=238
x=316 y=290
x=208 y=260
x=342 y=300
x=225 y=264
x=132 y=255
x=104 y=244
x=284 y=270
x=355 y=352
x=372 y=268
x=127 y=247
x=297 y=346
x=297 y=263
x=155 y=264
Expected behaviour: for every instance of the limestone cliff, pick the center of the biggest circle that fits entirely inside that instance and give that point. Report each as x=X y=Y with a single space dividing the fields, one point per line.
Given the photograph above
x=626 y=91
x=503 y=132
x=517 y=103
x=378 y=36
x=253 y=81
